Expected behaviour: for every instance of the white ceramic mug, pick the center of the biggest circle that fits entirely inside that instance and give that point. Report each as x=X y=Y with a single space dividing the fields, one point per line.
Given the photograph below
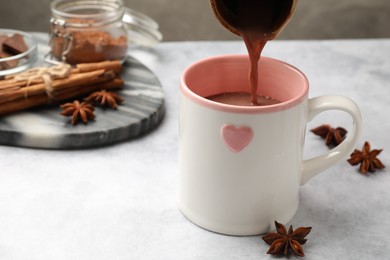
x=241 y=167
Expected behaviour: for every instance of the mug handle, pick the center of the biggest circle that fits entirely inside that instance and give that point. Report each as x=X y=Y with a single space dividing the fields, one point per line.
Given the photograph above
x=317 y=105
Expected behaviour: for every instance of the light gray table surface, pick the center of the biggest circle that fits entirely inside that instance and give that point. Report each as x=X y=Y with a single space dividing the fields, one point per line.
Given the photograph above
x=120 y=201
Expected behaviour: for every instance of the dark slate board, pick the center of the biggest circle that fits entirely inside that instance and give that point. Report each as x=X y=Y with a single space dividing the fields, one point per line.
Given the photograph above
x=142 y=110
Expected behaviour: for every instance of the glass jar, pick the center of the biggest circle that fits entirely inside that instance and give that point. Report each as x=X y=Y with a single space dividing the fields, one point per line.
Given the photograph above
x=96 y=30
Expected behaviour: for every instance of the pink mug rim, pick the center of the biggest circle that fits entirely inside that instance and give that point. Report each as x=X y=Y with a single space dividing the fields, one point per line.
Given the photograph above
x=301 y=96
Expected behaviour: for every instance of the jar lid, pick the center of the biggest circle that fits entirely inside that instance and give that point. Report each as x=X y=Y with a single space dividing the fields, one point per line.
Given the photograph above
x=143 y=30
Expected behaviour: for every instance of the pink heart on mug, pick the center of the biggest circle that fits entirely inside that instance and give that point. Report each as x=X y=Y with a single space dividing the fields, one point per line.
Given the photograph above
x=236 y=138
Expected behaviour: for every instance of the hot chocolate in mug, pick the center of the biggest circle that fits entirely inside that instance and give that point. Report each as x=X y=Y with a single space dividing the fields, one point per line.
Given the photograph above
x=241 y=166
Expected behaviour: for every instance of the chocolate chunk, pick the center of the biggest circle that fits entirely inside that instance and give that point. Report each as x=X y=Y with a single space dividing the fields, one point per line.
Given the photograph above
x=2 y=39
x=3 y=54
x=10 y=46
x=15 y=44
x=7 y=64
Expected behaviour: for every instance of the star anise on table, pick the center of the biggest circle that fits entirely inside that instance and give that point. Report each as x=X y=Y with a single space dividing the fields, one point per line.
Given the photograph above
x=105 y=98
x=78 y=111
x=367 y=158
x=285 y=241
x=332 y=136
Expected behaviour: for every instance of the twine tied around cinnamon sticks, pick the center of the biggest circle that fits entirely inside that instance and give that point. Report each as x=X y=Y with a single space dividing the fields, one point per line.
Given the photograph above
x=46 y=74
x=40 y=86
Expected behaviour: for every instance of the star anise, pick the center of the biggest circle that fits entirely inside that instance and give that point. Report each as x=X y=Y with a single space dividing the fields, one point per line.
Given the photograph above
x=105 y=98
x=78 y=111
x=332 y=136
x=367 y=158
x=283 y=242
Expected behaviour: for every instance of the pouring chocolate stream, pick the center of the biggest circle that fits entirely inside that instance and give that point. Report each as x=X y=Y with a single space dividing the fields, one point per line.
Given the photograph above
x=257 y=22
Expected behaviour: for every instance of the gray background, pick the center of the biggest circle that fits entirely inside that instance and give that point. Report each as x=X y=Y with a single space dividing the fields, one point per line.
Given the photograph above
x=193 y=19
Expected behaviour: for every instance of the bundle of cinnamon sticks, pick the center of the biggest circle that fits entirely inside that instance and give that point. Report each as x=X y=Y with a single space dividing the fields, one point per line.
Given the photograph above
x=18 y=92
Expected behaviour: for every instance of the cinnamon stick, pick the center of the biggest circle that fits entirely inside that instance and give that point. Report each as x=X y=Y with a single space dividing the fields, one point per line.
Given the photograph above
x=81 y=80
x=116 y=66
x=74 y=80
x=67 y=94
x=43 y=99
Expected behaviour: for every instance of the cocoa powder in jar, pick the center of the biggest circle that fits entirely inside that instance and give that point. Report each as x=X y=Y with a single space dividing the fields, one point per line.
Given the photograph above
x=90 y=46
x=85 y=31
